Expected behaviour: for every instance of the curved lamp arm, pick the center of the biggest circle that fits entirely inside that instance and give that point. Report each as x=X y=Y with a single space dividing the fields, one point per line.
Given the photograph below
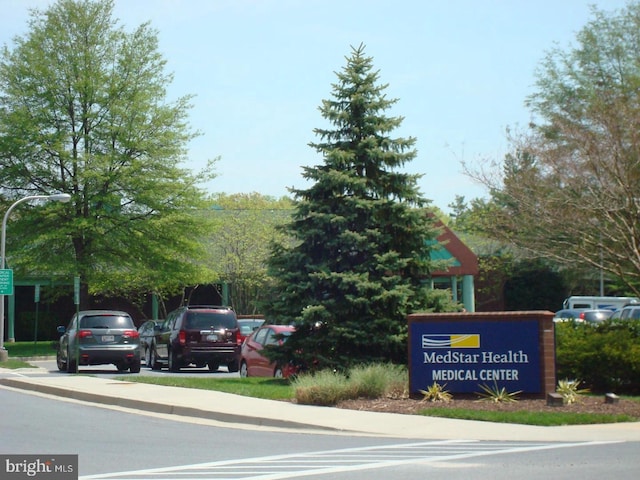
x=56 y=197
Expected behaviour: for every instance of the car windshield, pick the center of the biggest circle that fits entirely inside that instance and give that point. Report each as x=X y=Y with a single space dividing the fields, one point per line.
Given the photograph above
x=274 y=338
x=106 y=321
x=211 y=320
x=246 y=329
x=248 y=326
x=600 y=315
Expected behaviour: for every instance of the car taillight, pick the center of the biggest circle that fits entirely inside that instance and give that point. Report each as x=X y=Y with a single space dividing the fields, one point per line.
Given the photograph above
x=130 y=334
x=84 y=334
x=182 y=337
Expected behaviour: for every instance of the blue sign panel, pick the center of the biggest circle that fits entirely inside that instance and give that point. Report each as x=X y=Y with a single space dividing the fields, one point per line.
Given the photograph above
x=464 y=355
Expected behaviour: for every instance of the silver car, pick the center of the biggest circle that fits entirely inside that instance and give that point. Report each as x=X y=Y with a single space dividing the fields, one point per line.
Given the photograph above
x=99 y=337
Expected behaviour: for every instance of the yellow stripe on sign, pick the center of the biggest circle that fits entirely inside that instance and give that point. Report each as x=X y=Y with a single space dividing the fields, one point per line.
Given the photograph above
x=465 y=341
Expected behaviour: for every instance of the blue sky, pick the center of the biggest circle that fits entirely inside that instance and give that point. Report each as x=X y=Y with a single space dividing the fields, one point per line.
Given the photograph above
x=259 y=69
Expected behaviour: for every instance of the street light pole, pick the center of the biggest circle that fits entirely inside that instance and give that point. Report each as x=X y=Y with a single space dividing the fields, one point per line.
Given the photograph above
x=57 y=197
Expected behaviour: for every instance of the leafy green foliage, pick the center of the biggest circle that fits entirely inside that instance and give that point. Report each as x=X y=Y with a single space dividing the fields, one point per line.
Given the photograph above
x=359 y=254
x=83 y=110
x=243 y=227
x=606 y=357
x=534 y=285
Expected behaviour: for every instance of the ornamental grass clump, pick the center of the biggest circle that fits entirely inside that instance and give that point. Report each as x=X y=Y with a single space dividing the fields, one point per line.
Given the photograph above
x=496 y=394
x=436 y=393
x=378 y=380
x=325 y=388
x=328 y=387
x=570 y=391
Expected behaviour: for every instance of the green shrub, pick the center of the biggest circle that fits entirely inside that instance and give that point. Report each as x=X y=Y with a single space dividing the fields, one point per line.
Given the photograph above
x=47 y=323
x=606 y=356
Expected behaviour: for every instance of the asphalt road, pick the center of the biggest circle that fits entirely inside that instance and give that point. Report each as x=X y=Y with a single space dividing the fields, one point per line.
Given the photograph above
x=116 y=443
x=109 y=371
x=113 y=443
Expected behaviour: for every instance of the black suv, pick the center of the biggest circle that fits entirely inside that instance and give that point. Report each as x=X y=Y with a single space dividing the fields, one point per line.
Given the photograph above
x=196 y=335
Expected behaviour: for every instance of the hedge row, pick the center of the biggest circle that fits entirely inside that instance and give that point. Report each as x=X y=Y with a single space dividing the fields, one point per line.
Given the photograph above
x=605 y=357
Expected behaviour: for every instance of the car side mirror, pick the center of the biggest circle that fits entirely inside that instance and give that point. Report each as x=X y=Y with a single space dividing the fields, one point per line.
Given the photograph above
x=61 y=329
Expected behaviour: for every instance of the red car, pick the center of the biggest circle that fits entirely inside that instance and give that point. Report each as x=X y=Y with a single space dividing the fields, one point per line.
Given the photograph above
x=253 y=363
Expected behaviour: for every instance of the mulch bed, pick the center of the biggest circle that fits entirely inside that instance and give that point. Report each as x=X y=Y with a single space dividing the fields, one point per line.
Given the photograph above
x=410 y=406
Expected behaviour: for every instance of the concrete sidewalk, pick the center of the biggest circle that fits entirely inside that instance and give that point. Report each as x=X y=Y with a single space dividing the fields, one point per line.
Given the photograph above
x=236 y=410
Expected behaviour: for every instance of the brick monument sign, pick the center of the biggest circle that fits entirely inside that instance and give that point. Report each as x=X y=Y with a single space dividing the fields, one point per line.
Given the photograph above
x=511 y=350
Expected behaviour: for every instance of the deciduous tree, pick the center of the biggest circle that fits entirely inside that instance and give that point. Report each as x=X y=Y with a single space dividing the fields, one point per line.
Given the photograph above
x=84 y=111
x=569 y=188
x=244 y=225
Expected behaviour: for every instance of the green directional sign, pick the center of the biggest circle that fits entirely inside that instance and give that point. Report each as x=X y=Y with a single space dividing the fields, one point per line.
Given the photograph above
x=6 y=281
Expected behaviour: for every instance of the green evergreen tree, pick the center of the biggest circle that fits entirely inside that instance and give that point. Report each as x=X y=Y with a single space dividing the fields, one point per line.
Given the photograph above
x=361 y=235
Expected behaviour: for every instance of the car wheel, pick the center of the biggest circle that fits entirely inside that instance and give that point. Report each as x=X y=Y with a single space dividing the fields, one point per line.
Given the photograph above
x=213 y=366
x=153 y=359
x=135 y=366
x=62 y=364
x=277 y=373
x=244 y=370
x=121 y=366
x=233 y=366
x=72 y=365
x=174 y=365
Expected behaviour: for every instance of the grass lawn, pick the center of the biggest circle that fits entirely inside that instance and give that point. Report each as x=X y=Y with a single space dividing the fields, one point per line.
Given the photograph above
x=13 y=363
x=544 y=419
x=267 y=388
x=30 y=349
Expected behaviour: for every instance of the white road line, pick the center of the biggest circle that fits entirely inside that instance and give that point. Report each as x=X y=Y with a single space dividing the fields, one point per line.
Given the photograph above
x=338 y=461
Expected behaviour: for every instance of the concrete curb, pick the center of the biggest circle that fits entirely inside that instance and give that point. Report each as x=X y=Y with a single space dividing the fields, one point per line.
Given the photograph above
x=155 y=407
